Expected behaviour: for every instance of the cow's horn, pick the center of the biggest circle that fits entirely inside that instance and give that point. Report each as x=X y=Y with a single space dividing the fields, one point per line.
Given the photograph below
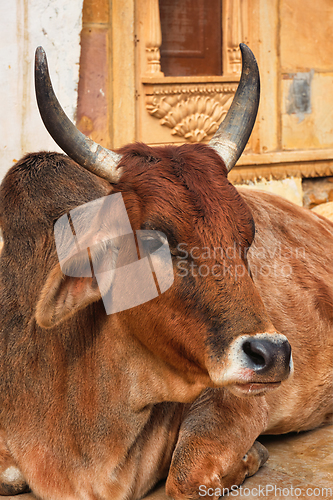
x=80 y=148
x=232 y=135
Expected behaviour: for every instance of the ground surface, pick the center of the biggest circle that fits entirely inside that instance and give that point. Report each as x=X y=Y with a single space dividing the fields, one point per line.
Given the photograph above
x=299 y=466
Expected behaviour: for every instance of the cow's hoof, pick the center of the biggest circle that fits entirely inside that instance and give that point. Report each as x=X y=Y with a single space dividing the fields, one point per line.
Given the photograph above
x=12 y=482
x=255 y=458
x=207 y=479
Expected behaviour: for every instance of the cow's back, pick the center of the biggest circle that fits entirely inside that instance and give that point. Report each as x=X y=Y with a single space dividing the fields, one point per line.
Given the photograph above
x=291 y=263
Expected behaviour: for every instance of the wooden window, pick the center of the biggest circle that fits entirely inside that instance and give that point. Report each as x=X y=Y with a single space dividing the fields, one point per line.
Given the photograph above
x=191 y=37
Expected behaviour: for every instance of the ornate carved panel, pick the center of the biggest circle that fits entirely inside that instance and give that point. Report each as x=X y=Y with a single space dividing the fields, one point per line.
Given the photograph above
x=191 y=111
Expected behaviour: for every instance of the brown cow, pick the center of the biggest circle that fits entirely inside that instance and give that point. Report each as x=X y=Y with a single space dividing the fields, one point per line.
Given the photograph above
x=97 y=406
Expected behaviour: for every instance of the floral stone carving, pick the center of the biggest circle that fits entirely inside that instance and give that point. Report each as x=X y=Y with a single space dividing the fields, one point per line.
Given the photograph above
x=191 y=112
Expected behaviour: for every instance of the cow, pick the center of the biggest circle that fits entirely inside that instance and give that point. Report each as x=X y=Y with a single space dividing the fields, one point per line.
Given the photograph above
x=102 y=406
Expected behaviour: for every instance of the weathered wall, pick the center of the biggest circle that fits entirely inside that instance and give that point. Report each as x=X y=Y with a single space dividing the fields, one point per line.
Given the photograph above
x=306 y=59
x=56 y=25
x=293 y=41
x=290 y=188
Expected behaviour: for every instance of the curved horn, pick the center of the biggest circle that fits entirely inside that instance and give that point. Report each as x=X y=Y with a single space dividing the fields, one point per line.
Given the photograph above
x=80 y=148
x=232 y=135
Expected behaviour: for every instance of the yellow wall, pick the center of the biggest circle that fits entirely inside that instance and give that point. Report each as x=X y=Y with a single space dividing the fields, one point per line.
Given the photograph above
x=306 y=48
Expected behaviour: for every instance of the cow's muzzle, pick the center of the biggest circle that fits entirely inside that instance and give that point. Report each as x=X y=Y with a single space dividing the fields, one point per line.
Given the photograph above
x=254 y=363
x=266 y=357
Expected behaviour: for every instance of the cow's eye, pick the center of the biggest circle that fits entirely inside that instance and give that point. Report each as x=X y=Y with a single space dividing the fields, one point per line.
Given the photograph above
x=150 y=241
x=150 y=245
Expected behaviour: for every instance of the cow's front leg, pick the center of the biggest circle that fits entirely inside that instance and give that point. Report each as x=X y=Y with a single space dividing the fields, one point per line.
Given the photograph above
x=216 y=448
x=12 y=481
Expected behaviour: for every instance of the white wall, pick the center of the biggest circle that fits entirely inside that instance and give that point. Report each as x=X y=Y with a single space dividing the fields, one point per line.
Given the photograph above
x=25 y=24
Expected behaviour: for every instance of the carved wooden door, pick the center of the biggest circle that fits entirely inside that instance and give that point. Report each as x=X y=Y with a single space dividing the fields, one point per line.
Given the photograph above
x=191 y=37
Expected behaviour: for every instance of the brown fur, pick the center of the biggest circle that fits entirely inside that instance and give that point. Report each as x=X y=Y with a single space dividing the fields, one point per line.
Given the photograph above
x=98 y=406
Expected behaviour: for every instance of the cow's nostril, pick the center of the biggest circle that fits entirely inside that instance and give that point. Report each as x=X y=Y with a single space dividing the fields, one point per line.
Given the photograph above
x=267 y=356
x=257 y=352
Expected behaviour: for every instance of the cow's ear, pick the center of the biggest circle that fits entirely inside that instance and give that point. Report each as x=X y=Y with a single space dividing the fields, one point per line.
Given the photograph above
x=62 y=296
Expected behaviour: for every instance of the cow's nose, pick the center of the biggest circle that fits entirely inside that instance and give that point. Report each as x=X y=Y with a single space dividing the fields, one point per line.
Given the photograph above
x=264 y=356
